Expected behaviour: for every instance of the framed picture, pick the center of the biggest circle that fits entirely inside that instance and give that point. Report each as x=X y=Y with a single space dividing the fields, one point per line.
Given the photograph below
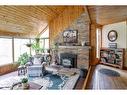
x=112 y=35
x=70 y=36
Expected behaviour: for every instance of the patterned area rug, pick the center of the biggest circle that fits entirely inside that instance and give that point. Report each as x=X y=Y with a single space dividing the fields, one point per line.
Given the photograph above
x=109 y=72
x=49 y=81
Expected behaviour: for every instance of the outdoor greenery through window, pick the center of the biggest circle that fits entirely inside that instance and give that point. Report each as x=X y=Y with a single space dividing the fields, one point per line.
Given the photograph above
x=20 y=47
x=11 y=48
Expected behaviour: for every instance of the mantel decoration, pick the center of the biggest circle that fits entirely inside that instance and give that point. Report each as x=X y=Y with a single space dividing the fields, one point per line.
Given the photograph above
x=112 y=35
x=70 y=36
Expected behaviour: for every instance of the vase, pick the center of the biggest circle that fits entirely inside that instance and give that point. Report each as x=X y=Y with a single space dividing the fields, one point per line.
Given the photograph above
x=83 y=43
x=25 y=85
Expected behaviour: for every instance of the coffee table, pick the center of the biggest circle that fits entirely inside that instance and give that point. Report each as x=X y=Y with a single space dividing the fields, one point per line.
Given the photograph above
x=32 y=86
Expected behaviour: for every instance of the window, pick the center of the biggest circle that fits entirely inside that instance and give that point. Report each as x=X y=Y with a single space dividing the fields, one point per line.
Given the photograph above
x=44 y=43
x=32 y=51
x=20 y=47
x=5 y=51
x=10 y=53
x=45 y=40
x=45 y=34
x=98 y=42
x=46 y=46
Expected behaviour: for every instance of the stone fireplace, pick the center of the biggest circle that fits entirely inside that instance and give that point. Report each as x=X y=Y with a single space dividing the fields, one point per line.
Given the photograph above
x=81 y=55
x=82 y=52
x=68 y=60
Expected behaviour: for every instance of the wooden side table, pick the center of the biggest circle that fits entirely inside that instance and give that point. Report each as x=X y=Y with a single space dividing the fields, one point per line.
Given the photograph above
x=21 y=70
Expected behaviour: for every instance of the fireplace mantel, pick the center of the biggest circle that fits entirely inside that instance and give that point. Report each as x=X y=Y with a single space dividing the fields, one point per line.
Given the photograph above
x=76 y=47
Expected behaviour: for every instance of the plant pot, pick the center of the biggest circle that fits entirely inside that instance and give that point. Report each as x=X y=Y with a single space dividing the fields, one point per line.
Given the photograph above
x=28 y=45
x=25 y=85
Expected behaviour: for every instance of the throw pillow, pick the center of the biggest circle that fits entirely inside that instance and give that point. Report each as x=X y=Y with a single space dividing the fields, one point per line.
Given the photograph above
x=37 y=60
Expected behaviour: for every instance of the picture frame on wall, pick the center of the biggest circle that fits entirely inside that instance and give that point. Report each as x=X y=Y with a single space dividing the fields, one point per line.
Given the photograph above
x=112 y=35
x=70 y=36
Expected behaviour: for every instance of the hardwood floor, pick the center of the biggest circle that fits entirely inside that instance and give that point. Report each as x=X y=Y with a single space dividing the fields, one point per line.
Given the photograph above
x=104 y=81
x=79 y=84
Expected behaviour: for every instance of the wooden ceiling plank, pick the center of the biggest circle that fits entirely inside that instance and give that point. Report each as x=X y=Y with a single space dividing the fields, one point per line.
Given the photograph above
x=44 y=11
x=27 y=19
x=17 y=14
x=107 y=14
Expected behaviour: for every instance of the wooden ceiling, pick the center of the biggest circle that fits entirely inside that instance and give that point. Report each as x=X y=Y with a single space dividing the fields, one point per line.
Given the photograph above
x=33 y=19
x=107 y=14
x=27 y=19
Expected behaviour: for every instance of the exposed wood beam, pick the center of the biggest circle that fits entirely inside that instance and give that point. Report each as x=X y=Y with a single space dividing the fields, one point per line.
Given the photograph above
x=43 y=31
x=88 y=14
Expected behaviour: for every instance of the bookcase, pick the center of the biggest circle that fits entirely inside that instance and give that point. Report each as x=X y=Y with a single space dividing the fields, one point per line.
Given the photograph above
x=112 y=57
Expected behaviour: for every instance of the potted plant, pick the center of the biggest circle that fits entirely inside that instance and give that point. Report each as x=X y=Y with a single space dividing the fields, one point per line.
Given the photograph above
x=22 y=60
x=25 y=83
x=36 y=46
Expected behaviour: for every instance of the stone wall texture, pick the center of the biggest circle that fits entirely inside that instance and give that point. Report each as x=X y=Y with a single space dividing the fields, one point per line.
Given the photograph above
x=82 y=25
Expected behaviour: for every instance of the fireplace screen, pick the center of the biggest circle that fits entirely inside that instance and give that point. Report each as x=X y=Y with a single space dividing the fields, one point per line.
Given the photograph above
x=67 y=62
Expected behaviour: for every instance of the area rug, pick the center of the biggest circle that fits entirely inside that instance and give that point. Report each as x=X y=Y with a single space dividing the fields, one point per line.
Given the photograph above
x=109 y=72
x=49 y=81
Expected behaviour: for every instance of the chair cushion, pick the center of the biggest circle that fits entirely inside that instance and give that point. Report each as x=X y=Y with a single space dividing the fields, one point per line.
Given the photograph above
x=35 y=70
x=37 y=61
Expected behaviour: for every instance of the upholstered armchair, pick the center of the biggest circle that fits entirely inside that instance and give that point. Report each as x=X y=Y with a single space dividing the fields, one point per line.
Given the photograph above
x=35 y=67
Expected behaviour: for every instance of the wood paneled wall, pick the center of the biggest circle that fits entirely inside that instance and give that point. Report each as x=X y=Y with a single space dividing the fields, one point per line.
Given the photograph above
x=93 y=59
x=125 y=60
x=65 y=19
x=93 y=43
x=62 y=21
x=8 y=68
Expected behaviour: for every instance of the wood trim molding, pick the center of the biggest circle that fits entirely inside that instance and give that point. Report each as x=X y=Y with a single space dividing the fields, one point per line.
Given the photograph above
x=13 y=54
x=87 y=79
x=43 y=31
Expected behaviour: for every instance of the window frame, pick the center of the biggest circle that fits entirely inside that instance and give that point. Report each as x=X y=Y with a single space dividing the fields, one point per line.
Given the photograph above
x=13 y=46
x=6 y=37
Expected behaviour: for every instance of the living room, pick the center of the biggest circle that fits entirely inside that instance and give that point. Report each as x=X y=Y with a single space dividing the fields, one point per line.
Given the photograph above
x=30 y=55
x=42 y=48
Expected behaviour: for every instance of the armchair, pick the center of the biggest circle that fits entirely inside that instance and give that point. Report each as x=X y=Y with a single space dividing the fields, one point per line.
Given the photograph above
x=36 y=66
